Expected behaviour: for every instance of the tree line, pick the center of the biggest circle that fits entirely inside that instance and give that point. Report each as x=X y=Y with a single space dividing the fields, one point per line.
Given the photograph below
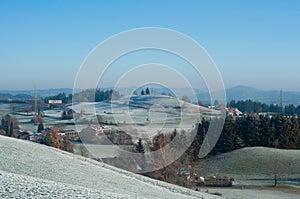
x=249 y=106
x=279 y=131
x=96 y=95
x=61 y=96
x=87 y=95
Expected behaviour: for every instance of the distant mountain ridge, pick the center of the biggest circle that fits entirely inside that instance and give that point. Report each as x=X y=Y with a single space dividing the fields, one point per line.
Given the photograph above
x=265 y=96
x=29 y=94
x=234 y=93
x=14 y=97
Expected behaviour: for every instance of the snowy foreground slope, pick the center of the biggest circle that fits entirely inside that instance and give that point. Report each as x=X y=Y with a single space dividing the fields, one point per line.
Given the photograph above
x=29 y=170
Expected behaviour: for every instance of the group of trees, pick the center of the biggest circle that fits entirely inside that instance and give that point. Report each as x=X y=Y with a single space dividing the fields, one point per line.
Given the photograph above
x=163 y=162
x=50 y=137
x=249 y=131
x=146 y=92
x=160 y=160
x=96 y=95
x=249 y=106
x=61 y=96
x=87 y=95
x=9 y=124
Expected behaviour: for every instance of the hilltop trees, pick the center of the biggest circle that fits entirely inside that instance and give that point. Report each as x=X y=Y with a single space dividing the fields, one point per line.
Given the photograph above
x=146 y=92
x=61 y=96
x=95 y=95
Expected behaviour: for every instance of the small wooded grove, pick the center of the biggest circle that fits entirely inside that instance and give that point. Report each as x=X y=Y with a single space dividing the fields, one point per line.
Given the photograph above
x=278 y=131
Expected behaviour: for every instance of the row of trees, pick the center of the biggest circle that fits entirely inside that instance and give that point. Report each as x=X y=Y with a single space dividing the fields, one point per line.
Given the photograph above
x=87 y=95
x=96 y=95
x=249 y=131
x=61 y=96
x=280 y=131
x=146 y=92
x=249 y=106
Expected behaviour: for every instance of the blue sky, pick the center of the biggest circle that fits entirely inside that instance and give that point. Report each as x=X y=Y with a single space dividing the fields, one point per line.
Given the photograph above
x=254 y=43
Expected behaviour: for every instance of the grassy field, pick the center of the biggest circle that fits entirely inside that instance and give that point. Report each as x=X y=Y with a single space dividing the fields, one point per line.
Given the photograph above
x=254 y=166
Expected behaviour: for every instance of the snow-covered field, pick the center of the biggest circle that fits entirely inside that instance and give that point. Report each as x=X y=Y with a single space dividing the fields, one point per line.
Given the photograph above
x=144 y=113
x=137 y=109
x=29 y=170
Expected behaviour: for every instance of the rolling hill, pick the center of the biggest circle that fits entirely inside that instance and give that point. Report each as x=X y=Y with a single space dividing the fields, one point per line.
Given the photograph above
x=29 y=170
x=255 y=166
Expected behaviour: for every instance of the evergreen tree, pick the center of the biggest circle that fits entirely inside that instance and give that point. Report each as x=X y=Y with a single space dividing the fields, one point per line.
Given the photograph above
x=216 y=103
x=11 y=129
x=147 y=91
x=202 y=129
x=248 y=130
x=2 y=122
x=40 y=128
x=173 y=135
x=142 y=92
x=279 y=122
x=228 y=140
x=193 y=151
x=298 y=110
x=266 y=132
x=139 y=148
x=290 y=110
x=294 y=135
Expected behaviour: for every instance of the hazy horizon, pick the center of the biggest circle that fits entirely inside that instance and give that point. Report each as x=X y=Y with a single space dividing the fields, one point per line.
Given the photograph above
x=111 y=87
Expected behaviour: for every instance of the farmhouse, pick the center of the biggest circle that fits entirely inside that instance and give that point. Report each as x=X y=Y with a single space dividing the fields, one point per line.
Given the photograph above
x=233 y=111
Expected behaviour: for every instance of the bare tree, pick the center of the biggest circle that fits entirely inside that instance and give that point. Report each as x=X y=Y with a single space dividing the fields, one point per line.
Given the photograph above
x=186 y=99
x=278 y=167
x=83 y=151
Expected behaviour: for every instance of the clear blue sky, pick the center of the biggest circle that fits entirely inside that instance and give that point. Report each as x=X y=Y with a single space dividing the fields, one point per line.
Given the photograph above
x=254 y=43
